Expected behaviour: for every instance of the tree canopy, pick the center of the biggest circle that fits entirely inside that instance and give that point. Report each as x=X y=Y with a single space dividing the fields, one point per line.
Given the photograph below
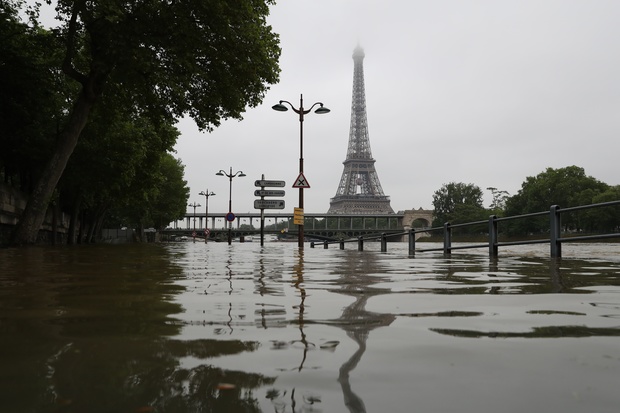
x=565 y=187
x=458 y=202
x=159 y=60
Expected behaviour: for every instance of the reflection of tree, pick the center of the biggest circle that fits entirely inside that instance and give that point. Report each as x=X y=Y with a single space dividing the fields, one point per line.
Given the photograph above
x=472 y=274
x=84 y=329
x=558 y=274
x=127 y=376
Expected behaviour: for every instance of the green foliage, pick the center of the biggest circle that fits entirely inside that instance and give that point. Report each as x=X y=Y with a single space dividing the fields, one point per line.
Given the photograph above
x=32 y=98
x=566 y=187
x=208 y=59
x=458 y=203
x=498 y=204
x=604 y=219
x=156 y=62
x=157 y=196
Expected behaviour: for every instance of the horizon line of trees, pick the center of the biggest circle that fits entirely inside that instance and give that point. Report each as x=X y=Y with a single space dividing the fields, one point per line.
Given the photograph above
x=458 y=202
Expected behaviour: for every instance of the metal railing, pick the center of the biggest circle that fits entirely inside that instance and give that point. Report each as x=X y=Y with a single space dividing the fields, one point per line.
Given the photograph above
x=555 y=239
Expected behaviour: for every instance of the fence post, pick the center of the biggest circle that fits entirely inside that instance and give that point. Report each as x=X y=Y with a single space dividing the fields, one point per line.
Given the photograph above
x=360 y=243
x=383 y=242
x=447 y=238
x=411 y=242
x=493 y=236
x=555 y=226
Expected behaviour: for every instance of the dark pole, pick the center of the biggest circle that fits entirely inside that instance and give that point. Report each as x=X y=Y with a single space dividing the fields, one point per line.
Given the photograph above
x=207 y=216
x=207 y=194
x=280 y=107
x=300 y=227
x=230 y=177
x=194 y=205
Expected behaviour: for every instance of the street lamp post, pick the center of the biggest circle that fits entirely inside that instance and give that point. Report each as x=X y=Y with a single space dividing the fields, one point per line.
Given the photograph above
x=206 y=194
x=194 y=205
x=280 y=107
x=230 y=217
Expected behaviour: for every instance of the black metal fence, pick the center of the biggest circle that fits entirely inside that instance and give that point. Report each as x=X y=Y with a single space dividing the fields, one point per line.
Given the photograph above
x=555 y=239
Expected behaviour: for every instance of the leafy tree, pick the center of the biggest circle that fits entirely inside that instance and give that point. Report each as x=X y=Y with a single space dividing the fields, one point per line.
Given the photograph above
x=171 y=201
x=498 y=204
x=604 y=219
x=207 y=59
x=116 y=160
x=32 y=98
x=566 y=187
x=458 y=203
x=155 y=198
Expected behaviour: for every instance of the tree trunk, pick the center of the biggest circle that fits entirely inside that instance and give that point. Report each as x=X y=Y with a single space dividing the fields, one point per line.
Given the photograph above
x=30 y=222
x=98 y=222
x=54 y=223
x=75 y=213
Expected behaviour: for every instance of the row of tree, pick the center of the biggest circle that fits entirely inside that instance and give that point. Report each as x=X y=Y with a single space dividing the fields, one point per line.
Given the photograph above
x=566 y=187
x=88 y=108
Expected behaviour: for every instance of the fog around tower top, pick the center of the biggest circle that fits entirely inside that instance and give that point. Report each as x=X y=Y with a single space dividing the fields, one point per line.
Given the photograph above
x=480 y=91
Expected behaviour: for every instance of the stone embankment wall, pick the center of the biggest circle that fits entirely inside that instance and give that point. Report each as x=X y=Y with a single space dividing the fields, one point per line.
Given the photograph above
x=13 y=203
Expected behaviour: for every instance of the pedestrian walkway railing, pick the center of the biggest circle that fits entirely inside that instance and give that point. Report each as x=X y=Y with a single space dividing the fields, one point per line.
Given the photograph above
x=555 y=239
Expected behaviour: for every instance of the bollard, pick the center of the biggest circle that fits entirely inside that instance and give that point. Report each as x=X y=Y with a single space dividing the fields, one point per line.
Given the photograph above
x=341 y=244
x=325 y=244
x=447 y=238
x=383 y=242
x=493 y=250
x=360 y=243
x=411 y=242
x=555 y=228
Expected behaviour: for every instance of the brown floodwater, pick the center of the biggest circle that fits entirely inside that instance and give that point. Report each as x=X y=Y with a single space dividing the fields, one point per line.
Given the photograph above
x=194 y=327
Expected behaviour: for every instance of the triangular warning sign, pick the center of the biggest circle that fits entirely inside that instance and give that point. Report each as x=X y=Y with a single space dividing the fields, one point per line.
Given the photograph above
x=301 y=181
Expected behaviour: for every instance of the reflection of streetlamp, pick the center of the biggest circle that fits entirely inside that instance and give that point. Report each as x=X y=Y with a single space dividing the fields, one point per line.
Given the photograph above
x=194 y=205
x=230 y=217
x=206 y=194
x=320 y=110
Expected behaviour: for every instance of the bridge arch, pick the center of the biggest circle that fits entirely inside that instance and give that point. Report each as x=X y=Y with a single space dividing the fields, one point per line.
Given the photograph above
x=417 y=218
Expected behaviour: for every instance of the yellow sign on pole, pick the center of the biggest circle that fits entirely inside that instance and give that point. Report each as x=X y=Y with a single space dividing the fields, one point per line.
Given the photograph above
x=298 y=216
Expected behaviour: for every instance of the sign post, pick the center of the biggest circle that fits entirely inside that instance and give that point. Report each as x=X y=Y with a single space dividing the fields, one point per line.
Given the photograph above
x=263 y=203
x=298 y=216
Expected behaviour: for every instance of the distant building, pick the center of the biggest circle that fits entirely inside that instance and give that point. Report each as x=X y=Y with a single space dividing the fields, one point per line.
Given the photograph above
x=359 y=191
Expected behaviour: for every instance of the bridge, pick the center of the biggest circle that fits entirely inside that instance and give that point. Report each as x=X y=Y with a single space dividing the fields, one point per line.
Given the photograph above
x=317 y=226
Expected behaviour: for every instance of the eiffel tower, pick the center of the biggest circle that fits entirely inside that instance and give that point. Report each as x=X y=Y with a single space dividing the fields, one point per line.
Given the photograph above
x=359 y=191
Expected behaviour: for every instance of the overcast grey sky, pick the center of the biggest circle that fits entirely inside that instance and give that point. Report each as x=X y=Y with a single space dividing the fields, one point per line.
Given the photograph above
x=477 y=91
x=486 y=92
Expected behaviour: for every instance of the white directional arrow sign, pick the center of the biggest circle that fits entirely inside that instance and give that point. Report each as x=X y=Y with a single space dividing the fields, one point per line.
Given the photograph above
x=264 y=182
x=269 y=204
x=267 y=192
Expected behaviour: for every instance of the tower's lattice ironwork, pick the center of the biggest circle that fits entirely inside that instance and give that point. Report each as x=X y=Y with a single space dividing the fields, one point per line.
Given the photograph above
x=359 y=191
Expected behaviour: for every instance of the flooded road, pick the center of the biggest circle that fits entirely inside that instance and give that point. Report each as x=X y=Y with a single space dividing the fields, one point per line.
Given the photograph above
x=189 y=327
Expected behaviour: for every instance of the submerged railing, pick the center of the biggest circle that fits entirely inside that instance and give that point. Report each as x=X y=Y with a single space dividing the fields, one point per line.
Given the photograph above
x=555 y=239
